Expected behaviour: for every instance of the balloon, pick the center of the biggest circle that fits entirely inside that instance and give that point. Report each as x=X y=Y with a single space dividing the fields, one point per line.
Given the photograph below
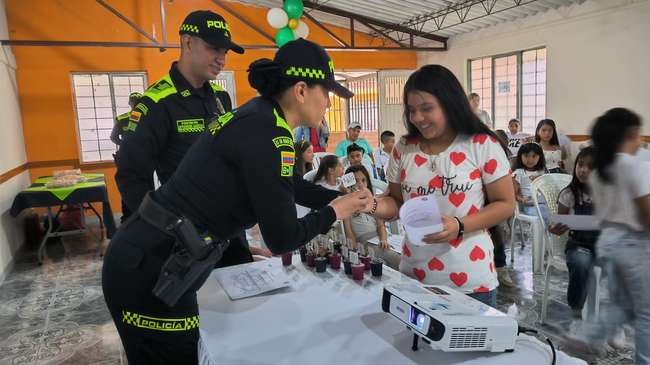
x=277 y=18
x=302 y=30
x=283 y=36
x=293 y=8
x=293 y=23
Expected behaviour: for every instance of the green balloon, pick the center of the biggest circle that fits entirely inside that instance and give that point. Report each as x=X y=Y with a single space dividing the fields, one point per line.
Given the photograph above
x=283 y=36
x=293 y=8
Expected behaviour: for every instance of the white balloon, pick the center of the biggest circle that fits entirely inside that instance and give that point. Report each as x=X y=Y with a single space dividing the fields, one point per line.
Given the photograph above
x=302 y=30
x=277 y=18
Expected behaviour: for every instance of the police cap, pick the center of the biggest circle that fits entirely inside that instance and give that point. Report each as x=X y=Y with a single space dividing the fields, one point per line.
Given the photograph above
x=212 y=28
x=307 y=61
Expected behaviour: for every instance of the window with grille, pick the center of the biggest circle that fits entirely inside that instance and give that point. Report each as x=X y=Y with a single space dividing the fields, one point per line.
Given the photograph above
x=363 y=107
x=533 y=88
x=99 y=98
x=394 y=92
x=335 y=115
x=226 y=80
x=481 y=82
x=511 y=86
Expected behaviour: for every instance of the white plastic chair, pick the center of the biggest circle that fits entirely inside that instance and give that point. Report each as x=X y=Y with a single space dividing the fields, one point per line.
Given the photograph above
x=317 y=157
x=309 y=176
x=536 y=227
x=550 y=186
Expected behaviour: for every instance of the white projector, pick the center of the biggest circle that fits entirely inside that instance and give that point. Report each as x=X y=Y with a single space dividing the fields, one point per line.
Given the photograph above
x=449 y=320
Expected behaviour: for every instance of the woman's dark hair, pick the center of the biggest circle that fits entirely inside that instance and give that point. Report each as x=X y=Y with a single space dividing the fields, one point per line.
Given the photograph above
x=554 y=140
x=444 y=86
x=360 y=168
x=608 y=134
x=503 y=139
x=578 y=188
x=526 y=148
x=265 y=76
x=326 y=163
x=302 y=166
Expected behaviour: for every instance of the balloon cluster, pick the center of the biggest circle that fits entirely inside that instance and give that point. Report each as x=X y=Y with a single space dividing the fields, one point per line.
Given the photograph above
x=287 y=21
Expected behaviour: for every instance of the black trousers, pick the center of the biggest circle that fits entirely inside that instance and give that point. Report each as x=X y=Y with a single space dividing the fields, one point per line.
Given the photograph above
x=151 y=332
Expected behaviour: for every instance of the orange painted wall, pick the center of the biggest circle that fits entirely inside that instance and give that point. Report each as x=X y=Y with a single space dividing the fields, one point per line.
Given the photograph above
x=43 y=73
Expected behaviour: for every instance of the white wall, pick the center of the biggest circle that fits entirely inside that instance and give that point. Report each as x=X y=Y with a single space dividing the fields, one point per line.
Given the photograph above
x=12 y=151
x=598 y=57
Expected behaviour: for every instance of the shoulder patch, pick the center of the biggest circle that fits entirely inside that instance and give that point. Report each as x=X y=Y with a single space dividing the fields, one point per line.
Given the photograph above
x=161 y=89
x=135 y=116
x=287 y=160
x=283 y=142
x=216 y=87
x=123 y=116
x=215 y=126
x=143 y=108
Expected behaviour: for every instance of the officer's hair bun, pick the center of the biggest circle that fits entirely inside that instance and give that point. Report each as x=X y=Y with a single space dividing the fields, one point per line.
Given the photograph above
x=264 y=75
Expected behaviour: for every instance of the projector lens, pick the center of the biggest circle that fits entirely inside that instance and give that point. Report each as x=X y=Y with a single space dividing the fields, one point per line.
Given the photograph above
x=417 y=318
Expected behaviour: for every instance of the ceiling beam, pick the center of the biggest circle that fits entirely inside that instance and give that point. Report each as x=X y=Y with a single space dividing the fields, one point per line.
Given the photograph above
x=50 y=43
x=375 y=22
x=338 y=40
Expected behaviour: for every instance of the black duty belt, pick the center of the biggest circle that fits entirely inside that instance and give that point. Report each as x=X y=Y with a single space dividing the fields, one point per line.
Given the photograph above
x=194 y=254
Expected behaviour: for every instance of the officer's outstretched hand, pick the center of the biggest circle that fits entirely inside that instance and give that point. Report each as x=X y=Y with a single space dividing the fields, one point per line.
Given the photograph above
x=348 y=204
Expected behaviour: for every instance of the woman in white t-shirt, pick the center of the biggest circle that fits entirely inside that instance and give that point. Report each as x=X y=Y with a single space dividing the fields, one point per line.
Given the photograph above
x=449 y=154
x=621 y=193
x=330 y=169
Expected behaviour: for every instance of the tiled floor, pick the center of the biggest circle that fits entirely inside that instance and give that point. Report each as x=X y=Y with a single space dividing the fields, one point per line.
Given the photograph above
x=55 y=313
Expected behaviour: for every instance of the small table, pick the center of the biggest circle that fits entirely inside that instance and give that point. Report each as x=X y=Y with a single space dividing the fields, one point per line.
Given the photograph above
x=39 y=196
x=327 y=318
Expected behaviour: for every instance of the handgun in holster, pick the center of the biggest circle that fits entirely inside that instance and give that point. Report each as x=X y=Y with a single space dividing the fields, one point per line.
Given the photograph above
x=193 y=257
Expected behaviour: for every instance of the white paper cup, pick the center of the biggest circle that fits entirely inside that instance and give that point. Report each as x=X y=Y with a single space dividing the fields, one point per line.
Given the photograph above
x=420 y=217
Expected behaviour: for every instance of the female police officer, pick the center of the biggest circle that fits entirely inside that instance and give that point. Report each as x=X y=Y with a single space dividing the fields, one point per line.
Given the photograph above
x=237 y=174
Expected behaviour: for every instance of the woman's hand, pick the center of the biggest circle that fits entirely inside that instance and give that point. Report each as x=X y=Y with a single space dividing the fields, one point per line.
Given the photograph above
x=345 y=206
x=449 y=232
x=558 y=229
x=260 y=251
x=383 y=245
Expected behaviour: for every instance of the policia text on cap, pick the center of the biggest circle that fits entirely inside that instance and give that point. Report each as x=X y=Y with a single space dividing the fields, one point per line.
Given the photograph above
x=238 y=173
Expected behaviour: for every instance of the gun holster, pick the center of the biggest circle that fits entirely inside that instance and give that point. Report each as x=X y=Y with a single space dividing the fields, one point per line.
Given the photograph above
x=193 y=257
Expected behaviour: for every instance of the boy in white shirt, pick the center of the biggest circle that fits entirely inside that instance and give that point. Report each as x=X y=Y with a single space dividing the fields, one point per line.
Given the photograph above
x=382 y=155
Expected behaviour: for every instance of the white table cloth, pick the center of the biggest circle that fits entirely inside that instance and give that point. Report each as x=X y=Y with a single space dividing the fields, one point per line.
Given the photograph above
x=328 y=318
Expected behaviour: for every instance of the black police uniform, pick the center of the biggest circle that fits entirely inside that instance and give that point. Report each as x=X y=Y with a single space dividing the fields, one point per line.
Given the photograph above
x=120 y=127
x=162 y=126
x=237 y=174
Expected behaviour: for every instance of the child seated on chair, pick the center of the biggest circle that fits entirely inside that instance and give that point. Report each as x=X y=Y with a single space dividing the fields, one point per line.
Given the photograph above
x=361 y=227
x=528 y=166
x=576 y=199
x=329 y=170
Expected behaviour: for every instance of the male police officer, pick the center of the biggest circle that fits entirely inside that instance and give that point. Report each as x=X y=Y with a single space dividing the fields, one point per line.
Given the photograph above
x=175 y=110
x=122 y=121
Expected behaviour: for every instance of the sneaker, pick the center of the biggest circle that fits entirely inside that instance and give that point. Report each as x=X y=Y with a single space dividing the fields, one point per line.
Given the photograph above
x=504 y=277
x=619 y=340
x=589 y=352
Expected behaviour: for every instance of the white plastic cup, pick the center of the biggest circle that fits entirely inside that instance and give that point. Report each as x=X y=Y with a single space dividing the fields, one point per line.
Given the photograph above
x=420 y=217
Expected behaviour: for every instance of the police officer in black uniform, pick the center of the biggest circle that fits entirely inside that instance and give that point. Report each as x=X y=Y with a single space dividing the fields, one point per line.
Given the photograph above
x=121 y=125
x=239 y=173
x=173 y=112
